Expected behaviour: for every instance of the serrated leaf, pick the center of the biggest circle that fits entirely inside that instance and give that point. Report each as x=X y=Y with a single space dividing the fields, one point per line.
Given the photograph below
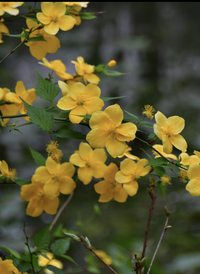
x=10 y=251
x=113 y=73
x=87 y=15
x=46 y=89
x=21 y=265
x=42 y=238
x=69 y=259
x=146 y=124
x=160 y=161
x=54 y=269
x=111 y=98
x=38 y=158
x=39 y=117
x=132 y=115
x=161 y=188
x=59 y=247
x=70 y=134
x=159 y=170
x=21 y=182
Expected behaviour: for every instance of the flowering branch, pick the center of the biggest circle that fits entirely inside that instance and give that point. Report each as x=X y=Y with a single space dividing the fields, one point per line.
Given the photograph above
x=161 y=237
x=61 y=210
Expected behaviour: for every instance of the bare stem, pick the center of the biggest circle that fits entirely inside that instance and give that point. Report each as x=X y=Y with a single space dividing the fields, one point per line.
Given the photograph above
x=92 y=250
x=153 y=198
x=61 y=210
x=27 y=244
x=158 y=245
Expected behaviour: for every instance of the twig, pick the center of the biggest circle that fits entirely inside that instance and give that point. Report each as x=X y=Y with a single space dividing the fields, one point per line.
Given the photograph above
x=27 y=244
x=92 y=250
x=60 y=211
x=158 y=245
x=153 y=197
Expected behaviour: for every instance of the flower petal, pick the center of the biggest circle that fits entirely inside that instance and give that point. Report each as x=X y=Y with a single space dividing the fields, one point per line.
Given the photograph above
x=67 y=185
x=167 y=145
x=52 y=28
x=66 y=103
x=92 y=78
x=193 y=187
x=177 y=123
x=179 y=142
x=74 y=114
x=121 y=178
x=51 y=205
x=85 y=151
x=76 y=160
x=66 y=22
x=97 y=138
x=35 y=207
x=126 y=132
x=114 y=147
x=194 y=171
x=110 y=172
x=85 y=174
x=115 y=113
x=131 y=188
x=100 y=119
x=160 y=119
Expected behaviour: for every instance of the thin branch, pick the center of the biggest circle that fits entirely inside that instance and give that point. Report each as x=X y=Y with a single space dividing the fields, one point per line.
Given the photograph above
x=61 y=210
x=13 y=116
x=161 y=237
x=92 y=250
x=153 y=197
x=27 y=244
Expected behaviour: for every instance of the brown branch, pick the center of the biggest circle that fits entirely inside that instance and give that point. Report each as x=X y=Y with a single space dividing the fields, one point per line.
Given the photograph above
x=161 y=237
x=27 y=244
x=153 y=197
x=61 y=210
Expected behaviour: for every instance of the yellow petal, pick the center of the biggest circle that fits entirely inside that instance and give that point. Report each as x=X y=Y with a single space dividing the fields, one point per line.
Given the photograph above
x=85 y=150
x=167 y=145
x=76 y=90
x=179 y=142
x=97 y=138
x=92 y=105
x=115 y=113
x=47 y=8
x=101 y=187
x=141 y=170
x=110 y=172
x=158 y=131
x=67 y=185
x=126 y=132
x=98 y=169
x=92 y=78
x=100 y=119
x=131 y=188
x=121 y=178
x=114 y=147
x=52 y=28
x=28 y=192
x=42 y=18
x=35 y=207
x=194 y=171
x=160 y=119
x=74 y=114
x=66 y=103
x=59 y=9
x=128 y=167
x=85 y=174
x=51 y=189
x=51 y=205
x=120 y=194
x=92 y=90
x=106 y=197
x=66 y=22
x=177 y=123
x=77 y=160
x=66 y=169
x=193 y=187
x=98 y=155
x=42 y=175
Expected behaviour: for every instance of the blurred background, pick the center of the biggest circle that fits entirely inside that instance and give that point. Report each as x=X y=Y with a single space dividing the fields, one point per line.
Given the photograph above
x=158 y=45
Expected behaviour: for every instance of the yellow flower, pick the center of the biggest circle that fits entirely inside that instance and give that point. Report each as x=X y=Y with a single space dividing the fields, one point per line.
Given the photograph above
x=3 y=29
x=81 y=100
x=54 y=18
x=90 y=162
x=112 y=63
x=75 y=12
x=53 y=151
x=28 y=96
x=197 y=153
x=81 y=4
x=129 y=155
x=58 y=67
x=110 y=188
x=10 y=7
x=38 y=200
x=39 y=49
x=7 y=108
x=168 y=129
x=56 y=178
x=187 y=161
x=148 y=111
x=108 y=130
x=5 y=171
x=194 y=176
x=159 y=148
x=7 y=267
x=130 y=172
x=165 y=179
x=86 y=71
x=105 y=257
x=43 y=261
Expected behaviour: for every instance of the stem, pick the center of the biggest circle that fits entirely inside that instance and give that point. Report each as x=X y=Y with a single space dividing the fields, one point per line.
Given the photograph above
x=92 y=250
x=12 y=51
x=31 y=259
x=161 y=237
x=13 y=116
x=60 y=211
x=153 y=197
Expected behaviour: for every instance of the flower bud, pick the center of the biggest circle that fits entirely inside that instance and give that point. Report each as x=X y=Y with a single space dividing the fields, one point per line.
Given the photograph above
x=112 y=63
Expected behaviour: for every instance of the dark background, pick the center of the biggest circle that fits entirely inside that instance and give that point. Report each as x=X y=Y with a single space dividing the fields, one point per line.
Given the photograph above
x=158 y=45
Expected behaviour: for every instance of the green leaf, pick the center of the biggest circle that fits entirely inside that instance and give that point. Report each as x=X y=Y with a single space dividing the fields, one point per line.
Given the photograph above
x=46 y=89
x=35 y=39
x=86 y=15
x=16 y=35
x=69 y=259
x=32 y=18
x=100 y=68
x=69 y=134
x=111 y=98
x=21 y=265
x=54 y=269
x=97 y=210
x=21 y=182
x=38 y=158
x=10 y=251
x=161 y=188
x=26 y=6
x=59 y=247
x=159 y=170
x=132 y=115
x=93 y=269
x=42 y=238
x=146 y=124
x=113 y=73
x=160 y=161
x=39 y=117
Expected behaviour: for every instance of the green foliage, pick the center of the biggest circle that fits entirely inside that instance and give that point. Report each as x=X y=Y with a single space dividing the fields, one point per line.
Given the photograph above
x=54 y=269
x=38 y=158
x=42 y=238
x=86 y=15
x=69 y=134
x=59 y=247
x=111 y=98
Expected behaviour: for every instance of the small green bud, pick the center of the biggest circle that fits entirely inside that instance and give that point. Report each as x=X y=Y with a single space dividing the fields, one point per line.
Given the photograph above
x=73 y=236
x=166 y=210
x=143 y=261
